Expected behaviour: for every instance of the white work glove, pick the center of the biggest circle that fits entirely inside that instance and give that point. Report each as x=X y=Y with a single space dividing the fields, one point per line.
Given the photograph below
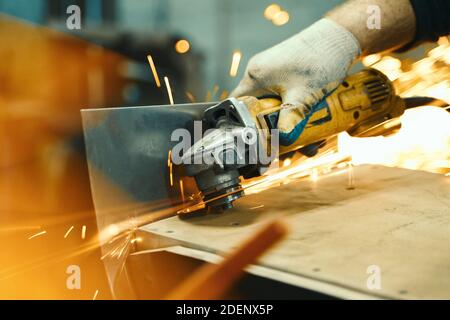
x=301 y=70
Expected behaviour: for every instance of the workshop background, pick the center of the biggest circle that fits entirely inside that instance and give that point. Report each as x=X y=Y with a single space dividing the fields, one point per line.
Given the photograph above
x=48 y=73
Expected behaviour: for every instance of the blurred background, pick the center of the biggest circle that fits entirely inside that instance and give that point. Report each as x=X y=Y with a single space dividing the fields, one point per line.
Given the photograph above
x=50 y=71
x=214 y=30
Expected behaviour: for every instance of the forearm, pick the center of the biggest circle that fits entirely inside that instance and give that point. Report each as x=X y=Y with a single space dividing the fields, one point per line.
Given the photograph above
x=398 y=23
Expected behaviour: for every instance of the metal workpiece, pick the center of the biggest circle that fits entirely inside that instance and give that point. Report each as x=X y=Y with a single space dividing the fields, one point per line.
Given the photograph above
x=127 y=152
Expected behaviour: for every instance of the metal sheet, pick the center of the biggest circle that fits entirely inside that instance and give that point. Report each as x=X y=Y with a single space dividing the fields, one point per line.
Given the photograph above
x=395 y=219
x=127 y=152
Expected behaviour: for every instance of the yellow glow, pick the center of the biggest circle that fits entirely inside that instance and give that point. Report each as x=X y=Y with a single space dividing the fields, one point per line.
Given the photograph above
x=390 y=66
x=237 y=55
x=155 y=73
x=138 y=239
x=281 y=18
x=271 y=11
x=95 y=295
x=371 y=59
x=423 y=139
x=443 y=41
x=314 y=175
x=112 y=230
x=182 y=46
x=441 y=53
x=423 y=142
x=287 y=162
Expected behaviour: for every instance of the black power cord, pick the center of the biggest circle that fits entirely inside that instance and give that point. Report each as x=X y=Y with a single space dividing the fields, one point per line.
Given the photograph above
x=414 y=102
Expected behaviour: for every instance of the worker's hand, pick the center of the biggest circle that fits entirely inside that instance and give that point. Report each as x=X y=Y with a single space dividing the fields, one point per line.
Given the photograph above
x=301 y=70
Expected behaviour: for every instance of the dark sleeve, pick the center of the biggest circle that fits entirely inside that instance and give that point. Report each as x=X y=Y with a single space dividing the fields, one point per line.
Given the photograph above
x=432 y=19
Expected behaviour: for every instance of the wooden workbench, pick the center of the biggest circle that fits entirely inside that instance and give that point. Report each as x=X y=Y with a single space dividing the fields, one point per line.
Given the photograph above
x=395 y=219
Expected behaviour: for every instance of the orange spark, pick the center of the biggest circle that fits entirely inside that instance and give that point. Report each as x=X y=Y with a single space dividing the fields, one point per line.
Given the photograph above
x=171 y=174
x=155 y=73
x=237 y=55
x=371 y=59
x=169 y=158
x=68 y=231
x=190 y=96
x=287 y=162
x=37 y=235
x=208 y=96
x=136 y=240
x=182 y=190
x=124 y=247
x=83 y=232
x=113 y=252
x=215 y=90
x=95 y=295
x=223 y=95
x=169 y=90
x=105 y=255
